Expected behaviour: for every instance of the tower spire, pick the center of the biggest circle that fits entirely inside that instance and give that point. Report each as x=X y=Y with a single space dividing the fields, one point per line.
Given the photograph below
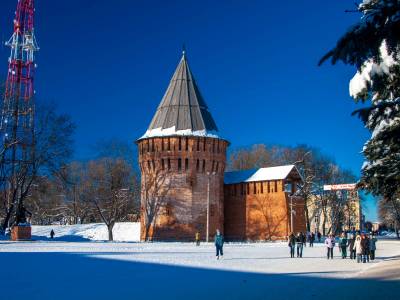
x=182 y=110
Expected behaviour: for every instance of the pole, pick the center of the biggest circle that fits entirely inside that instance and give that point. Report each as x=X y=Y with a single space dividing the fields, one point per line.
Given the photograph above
x=291 y=213
x=208 y=207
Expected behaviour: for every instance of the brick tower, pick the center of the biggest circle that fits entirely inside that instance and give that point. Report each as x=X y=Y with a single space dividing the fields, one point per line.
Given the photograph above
x=182 y=161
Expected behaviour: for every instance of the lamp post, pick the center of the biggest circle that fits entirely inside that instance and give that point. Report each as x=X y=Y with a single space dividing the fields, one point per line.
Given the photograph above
x=289 y=190
x=291 y=213
x=208 y=205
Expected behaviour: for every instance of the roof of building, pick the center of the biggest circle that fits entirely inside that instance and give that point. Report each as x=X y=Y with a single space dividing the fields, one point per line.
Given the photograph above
x=182 y=110
x=261 y=174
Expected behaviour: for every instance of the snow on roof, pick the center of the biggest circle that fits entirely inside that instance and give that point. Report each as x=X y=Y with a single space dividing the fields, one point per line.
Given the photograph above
x=262 y=174
x=160 y=132
x=182 y=110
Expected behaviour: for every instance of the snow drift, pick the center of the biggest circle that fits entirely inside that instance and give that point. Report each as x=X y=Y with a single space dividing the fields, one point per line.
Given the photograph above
x=122 y=232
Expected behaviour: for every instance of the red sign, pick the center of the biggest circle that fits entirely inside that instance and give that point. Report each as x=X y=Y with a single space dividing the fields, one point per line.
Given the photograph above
x=336 y=187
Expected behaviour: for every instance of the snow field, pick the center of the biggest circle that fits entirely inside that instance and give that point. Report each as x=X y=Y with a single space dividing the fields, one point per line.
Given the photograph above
x=123 y=270
x=122 y=232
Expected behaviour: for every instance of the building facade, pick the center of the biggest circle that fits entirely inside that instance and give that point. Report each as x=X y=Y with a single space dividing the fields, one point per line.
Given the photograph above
x=324 y=216
x=182 y=159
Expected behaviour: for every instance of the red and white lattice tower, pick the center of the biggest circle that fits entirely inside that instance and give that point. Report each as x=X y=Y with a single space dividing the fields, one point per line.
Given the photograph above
x=17 y=115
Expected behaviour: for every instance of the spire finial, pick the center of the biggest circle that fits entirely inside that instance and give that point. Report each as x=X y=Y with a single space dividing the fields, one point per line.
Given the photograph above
x=183 y=50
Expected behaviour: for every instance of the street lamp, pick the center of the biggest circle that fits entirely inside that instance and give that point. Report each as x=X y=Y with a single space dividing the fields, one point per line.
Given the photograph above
x=208 y=204
x=289 y=190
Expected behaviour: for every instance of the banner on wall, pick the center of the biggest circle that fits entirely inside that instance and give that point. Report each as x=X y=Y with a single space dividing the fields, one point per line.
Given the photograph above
x=337 y=187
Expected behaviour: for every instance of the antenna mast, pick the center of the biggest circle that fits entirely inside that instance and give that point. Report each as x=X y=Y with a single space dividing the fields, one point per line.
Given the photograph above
x=17 y=115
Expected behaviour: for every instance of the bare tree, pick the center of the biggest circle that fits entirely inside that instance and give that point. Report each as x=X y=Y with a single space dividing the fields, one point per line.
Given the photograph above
x=155 y=188
x=52 y=149
x=389 y=212
x=72 y=181
x=110 y=190
x=46 y=203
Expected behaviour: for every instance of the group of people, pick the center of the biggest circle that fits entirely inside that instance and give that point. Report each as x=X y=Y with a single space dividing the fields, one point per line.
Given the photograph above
x=361 y=246
x=300 y=240
x=297 y=242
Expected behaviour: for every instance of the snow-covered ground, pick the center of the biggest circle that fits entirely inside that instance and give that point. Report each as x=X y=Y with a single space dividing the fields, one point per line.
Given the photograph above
x=128 y=270
x=123 y=232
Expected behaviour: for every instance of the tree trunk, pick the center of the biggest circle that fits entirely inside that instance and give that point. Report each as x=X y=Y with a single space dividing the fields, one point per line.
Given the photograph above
x=146 y=232
x=7 y=218
x=110 y=231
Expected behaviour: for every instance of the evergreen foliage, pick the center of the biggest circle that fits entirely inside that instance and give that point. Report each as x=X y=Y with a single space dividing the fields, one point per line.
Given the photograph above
x=373 y=46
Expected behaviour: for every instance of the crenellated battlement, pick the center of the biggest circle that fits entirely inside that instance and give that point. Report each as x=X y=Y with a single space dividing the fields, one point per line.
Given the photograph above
x=183 y=154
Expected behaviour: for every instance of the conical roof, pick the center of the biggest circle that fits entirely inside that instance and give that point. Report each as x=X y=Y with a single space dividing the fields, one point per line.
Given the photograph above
x=182 y=110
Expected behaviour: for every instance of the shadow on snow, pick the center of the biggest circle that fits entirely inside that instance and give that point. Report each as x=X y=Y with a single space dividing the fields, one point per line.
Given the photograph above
x=55 y=275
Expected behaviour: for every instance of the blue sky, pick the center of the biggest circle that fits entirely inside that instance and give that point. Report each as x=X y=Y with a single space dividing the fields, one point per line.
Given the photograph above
x=108 y=63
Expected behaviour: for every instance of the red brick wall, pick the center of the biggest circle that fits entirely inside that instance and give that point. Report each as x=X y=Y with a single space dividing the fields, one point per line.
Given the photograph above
x=186 y=204
x=259 y=211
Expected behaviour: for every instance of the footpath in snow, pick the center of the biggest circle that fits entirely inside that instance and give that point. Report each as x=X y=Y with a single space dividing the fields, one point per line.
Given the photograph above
x=127 y=270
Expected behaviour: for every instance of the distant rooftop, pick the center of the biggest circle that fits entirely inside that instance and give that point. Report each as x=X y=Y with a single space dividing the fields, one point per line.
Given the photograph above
x=262 y=174
x=182 y=110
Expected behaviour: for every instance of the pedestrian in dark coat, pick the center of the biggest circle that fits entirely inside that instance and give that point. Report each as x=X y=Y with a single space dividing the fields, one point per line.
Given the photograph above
x=365 y=248
x=312 y=238
x=343 y=245
x=300 y=241
x=319 y=236
x=372 y=246
x=219 y=244
x=52 y=234
x=351 y=247
x=291 y=244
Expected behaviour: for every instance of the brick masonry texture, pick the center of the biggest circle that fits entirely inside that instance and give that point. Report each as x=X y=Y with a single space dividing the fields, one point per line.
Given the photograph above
x=245 y=211
x=188 y=162
x=258 y=211
x=20 y=233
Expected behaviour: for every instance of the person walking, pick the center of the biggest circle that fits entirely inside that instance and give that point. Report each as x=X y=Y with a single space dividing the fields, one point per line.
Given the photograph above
x=343 y=245
x=358 y=248
x=312 y=238
x=300 y=241
x=291 y=244
x=372 y=246
x=330 y=244
x=219 y=244
x=365 y=248
x=351 y=247
x=319 y=236
x=197 y=238
x=306 y=238
x=52 y=234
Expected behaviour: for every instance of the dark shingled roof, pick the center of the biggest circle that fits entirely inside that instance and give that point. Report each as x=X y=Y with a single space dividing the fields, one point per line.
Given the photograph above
x=182 y=107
